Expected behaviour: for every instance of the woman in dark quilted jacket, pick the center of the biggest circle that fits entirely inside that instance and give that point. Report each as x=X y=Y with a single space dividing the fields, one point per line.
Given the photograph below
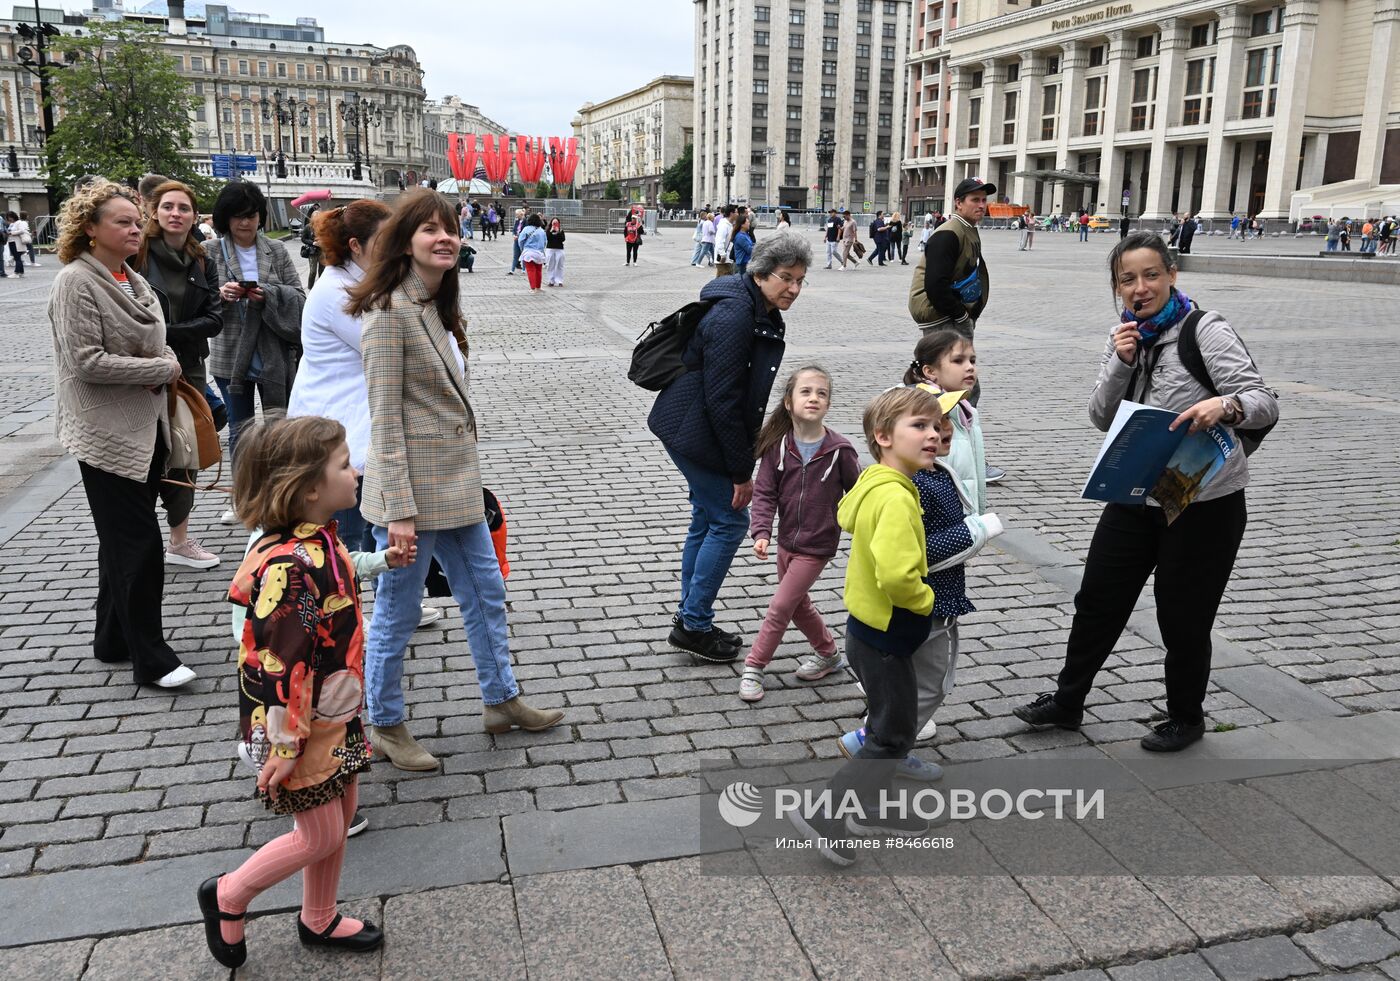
x=708 y=420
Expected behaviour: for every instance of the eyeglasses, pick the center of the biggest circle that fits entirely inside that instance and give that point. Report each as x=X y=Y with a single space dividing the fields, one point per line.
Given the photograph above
x=799 y=282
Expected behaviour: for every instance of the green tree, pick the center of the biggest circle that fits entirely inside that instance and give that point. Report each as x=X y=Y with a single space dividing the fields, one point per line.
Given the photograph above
x=680 y=175
x=544 y=189
x=613 y=192
x=670 y=198
x=125 y=108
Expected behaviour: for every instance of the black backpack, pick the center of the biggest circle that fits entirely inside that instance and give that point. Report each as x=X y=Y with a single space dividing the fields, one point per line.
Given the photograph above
x=1189 y=350
x=656 y=359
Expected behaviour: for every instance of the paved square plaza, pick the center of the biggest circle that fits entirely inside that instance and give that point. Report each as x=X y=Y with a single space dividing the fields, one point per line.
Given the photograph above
x=570 y=853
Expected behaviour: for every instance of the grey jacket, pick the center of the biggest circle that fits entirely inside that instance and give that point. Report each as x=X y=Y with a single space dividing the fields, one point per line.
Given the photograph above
x=278 y=346
x=1170 y=386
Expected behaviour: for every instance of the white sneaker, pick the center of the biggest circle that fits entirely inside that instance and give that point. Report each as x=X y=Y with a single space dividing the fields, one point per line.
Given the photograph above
x=190 y=553
x=428 y=614
x=229 y=517
x=246 y=757
x=927 y=732
x=175 y=679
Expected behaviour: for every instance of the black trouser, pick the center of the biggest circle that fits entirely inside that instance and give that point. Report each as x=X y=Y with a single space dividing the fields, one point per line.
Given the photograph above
x=632 y=249
x=892 y=697
x=1193 y=559
x=17 y=253
x=130 y=570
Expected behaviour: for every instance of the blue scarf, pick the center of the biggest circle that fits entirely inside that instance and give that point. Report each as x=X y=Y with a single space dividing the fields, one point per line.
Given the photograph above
x=1177 y=306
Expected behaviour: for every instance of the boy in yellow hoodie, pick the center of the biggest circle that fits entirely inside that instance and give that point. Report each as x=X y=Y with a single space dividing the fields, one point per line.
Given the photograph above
x=890 y=606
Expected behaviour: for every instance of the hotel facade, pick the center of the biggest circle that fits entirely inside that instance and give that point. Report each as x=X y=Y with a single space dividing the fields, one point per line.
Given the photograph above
x=1152 y=107
x=633 y=138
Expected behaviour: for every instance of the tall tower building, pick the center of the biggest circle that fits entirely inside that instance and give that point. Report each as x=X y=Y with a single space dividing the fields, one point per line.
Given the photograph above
x=773 y=76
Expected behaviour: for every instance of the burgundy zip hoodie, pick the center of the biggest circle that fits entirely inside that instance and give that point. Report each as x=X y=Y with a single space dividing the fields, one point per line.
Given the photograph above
x=804 y=497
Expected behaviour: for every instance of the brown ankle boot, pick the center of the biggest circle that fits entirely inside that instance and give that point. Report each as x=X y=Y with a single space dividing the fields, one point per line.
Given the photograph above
x=395 y=743
x=500 y=718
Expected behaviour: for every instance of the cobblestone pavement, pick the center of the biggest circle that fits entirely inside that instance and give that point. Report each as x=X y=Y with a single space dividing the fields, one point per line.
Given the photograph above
x=101 y=776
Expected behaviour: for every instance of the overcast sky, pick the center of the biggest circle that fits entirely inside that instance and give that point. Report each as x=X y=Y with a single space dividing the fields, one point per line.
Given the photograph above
x=573 y=51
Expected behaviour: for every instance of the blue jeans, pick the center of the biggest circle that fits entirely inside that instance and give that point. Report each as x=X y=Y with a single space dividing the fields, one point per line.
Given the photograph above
x=469 y=559
x=716 y=531
x=515 y=258
x=240 y=410
x=1083 y=233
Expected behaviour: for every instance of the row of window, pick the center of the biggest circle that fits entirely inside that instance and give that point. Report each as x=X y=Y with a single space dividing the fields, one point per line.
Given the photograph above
x=300 y=72
x=798 y=15
x=1259 y=99
x=762 y=39
x=828 y=91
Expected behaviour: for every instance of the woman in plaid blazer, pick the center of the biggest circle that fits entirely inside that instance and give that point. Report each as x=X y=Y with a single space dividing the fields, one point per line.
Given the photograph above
x=422 y=478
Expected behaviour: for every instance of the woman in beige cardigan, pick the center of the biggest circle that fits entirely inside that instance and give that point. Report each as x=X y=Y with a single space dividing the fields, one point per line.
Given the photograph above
x=112 y=366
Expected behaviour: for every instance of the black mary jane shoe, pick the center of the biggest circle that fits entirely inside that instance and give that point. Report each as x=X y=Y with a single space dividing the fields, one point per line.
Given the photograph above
x=227 y=954
x=368 y=938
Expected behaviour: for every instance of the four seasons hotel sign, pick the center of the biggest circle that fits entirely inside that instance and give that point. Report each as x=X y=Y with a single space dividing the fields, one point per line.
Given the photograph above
x=1079 y=20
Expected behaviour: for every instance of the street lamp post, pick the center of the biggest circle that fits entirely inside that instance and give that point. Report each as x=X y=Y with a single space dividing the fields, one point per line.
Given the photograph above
x=284 y=111
x=728 y=177
x=826 y=150
x=39 y=35
x=361 y=114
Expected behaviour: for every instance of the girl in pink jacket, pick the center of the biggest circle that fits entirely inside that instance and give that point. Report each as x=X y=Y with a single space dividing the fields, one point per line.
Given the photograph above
x=804 y=469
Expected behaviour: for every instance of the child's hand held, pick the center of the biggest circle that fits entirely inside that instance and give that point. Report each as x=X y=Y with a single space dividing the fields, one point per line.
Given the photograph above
x=276 y=770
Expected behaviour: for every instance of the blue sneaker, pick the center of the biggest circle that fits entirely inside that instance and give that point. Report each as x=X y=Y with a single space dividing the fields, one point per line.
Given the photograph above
x=913 y=768
x=910 y=768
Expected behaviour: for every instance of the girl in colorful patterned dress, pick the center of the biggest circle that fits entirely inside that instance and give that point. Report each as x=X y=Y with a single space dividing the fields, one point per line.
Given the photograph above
x=301 y=677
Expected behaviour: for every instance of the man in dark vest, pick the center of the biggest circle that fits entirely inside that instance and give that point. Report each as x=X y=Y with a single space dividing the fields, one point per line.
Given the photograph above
x=951 y=284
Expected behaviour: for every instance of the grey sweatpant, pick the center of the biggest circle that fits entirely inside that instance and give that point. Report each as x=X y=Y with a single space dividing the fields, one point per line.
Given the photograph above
x=935 y=663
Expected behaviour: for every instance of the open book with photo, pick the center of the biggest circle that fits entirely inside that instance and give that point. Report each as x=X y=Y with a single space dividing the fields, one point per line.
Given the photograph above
x=1141 y=458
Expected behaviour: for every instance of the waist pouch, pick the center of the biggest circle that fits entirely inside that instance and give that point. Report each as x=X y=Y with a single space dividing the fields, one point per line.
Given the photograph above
x=969 y=288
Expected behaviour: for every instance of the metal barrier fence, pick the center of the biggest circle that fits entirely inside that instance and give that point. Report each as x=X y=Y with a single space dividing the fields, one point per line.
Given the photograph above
x=44 y=230
x=617 y=218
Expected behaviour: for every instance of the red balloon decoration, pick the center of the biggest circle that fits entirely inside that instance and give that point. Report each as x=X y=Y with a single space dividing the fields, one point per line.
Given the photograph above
x=496 y=159
x=563 y=159
x=529 y=158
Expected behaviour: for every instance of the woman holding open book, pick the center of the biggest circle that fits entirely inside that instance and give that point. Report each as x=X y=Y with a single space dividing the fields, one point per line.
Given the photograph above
x=1162 y=354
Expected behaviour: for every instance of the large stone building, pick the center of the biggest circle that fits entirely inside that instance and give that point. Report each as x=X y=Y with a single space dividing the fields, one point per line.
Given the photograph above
x=262 y=86
x=1167 y=105
x=773 y=76
x=632 y=138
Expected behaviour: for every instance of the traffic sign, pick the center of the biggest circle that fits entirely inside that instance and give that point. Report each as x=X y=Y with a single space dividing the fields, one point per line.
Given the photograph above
x=221 y=158
x=246 y=161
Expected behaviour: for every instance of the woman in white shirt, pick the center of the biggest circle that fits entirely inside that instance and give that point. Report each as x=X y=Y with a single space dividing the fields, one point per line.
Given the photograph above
x=330 y=380
x=19 y=240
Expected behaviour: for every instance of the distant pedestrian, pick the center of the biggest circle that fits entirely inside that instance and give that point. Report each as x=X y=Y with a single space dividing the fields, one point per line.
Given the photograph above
x=515 y=240
x=554 y=252
x=804 y=468
x=849 y=240
x=725 y=223
x=1023 y=228
x=896 y=234
x=18 y=232
x=1186 y=234
x=703 y=226
x=880 y=236
x=784 y=223
x=743 y=245
x=533 y=241
x=1125 y=224
x=833 y=238
x=1334 y=235
x=1368 y=241
x=1083 y=226
x=1235 y=226
x=632 y=231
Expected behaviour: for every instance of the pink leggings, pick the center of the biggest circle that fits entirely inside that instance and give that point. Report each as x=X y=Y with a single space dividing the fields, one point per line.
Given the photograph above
x=790 y=604
x=316 y=848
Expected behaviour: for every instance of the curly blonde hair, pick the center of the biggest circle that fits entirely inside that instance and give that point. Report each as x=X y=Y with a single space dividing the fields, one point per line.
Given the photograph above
x=84 y=208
